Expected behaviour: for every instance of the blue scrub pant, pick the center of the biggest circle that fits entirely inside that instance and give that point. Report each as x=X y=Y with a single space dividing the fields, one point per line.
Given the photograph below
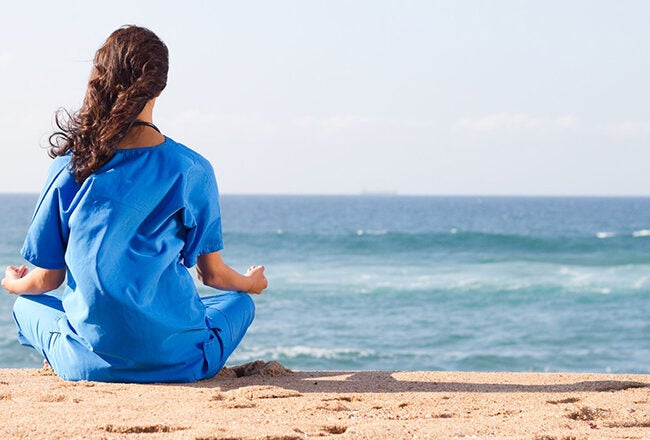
x=229 y=314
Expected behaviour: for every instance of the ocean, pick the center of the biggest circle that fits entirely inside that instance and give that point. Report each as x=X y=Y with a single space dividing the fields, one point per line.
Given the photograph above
x=426 y=283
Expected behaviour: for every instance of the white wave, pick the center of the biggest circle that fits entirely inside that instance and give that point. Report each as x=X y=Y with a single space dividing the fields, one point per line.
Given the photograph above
x=485 y=284
x=372 y=232
x=454 y=231
x=566 y=271
x=605 y=235
x=641 y=233
x=294 y=351
x=610 y=280
x=577 y=277
x=588 y=289
x=638 y=284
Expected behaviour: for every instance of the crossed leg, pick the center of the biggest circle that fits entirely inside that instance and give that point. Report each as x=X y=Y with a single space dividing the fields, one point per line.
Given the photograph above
x=36 y=316
x=230 y=314
x=37 y=319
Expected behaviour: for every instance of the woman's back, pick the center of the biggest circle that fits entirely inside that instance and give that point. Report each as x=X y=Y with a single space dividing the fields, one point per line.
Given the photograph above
x=127 y=234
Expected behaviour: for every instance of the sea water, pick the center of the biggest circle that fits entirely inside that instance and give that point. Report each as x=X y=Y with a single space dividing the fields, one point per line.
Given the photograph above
x=426 y=283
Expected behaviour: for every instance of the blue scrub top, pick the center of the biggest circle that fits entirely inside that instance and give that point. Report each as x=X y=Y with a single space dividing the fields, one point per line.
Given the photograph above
x=127 y=237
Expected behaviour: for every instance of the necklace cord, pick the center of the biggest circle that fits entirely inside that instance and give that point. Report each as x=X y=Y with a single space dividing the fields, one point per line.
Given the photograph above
x=145 y=123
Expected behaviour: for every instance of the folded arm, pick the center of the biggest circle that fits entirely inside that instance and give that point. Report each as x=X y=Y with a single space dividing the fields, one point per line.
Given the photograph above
x=20 y=281
x=213 y=272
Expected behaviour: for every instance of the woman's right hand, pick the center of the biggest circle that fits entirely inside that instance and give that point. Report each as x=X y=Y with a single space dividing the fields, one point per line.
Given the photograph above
x=259 y=281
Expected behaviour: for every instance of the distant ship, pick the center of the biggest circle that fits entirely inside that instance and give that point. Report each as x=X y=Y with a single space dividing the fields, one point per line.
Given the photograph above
x=378 y=193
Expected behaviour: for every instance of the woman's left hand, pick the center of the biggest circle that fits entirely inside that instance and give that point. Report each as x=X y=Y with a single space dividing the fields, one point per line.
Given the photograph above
x=13 y=273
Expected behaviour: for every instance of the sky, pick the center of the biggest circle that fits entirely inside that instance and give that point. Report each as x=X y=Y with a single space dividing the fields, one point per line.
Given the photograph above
x=345 y=97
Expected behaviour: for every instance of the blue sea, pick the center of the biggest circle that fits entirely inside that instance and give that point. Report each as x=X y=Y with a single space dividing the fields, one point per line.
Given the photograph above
x=426 y=283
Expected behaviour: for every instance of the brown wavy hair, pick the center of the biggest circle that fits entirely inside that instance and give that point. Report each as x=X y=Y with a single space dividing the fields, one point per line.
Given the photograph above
x=128 y=71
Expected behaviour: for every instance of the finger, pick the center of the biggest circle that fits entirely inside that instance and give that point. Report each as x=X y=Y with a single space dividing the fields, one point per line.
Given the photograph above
x=14 y=270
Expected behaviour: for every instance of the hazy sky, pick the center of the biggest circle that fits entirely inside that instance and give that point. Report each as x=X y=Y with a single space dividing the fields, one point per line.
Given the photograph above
x=417 y=97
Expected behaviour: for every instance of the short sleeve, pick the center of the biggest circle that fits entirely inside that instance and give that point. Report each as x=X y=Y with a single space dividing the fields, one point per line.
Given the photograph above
x=202 y=215
x=47 y=237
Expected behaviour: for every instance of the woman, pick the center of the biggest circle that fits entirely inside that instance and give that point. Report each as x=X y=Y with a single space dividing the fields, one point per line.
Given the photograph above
x=124 y=213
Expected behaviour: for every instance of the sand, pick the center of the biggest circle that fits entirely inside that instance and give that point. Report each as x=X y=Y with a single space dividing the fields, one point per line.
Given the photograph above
x=268 y=402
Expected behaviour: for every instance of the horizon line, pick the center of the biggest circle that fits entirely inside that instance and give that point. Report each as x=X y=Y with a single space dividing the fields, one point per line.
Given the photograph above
x=387 y=195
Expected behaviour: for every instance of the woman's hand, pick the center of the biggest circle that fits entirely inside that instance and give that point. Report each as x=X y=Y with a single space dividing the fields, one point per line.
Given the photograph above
x=13 y=273
x=20 y=281
x=213 y=272
x=258 y=279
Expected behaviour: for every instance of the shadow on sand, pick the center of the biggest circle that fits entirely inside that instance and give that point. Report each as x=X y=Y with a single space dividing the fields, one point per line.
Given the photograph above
x=390 y=382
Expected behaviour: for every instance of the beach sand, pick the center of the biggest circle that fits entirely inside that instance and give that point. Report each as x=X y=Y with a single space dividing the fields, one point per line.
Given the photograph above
x=268 y=402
